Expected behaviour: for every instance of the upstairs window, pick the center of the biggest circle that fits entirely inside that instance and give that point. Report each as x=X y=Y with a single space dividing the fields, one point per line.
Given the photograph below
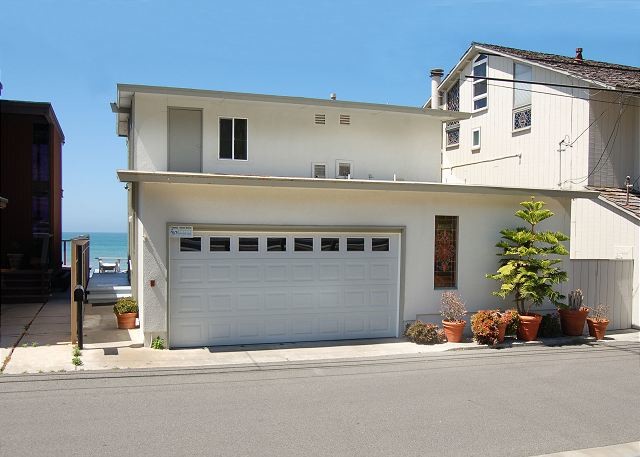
x=452 y=129
x=233 y=139
x=522 y=75
x=479 y=84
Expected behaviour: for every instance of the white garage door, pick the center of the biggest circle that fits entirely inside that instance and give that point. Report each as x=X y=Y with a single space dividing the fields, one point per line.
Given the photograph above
x=260 y=287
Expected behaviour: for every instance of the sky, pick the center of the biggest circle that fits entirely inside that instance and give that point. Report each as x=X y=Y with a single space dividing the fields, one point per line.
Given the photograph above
x=73 y=53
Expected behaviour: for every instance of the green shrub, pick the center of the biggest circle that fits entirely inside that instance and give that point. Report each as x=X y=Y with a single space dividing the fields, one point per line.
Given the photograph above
x=125 y=305
x=484 y=325
x=424 y=333
x=157 y=343
x=76 y=361
x=512 y=318
x=550 y=326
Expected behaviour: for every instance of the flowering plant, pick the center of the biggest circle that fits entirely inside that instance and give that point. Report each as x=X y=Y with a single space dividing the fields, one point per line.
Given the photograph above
x=512 y=319
x=453 y=308
x=484 y=325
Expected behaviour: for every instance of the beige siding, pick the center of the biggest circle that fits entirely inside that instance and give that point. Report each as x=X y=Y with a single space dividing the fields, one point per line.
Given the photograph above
x=609 y=282
x=614 y=149
x=555 y=116
x=600 y=232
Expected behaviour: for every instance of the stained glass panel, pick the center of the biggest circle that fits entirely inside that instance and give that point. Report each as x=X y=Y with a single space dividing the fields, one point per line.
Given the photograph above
x=445 y=268
x=522 y=118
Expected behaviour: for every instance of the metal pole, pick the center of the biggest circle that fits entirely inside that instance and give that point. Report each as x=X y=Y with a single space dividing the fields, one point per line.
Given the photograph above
x=78 y=296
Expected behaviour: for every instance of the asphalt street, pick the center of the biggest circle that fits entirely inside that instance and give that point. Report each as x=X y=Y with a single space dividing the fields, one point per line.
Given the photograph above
x=511 y=402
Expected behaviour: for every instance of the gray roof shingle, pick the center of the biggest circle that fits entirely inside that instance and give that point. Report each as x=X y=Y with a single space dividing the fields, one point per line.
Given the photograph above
x=610 y=74
x=618 y=197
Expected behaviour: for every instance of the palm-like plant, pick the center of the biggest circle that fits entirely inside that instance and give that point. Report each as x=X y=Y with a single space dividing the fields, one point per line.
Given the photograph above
x=528 y=266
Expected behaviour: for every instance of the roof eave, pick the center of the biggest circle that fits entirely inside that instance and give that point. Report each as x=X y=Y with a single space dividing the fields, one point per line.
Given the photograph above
x=339 y=184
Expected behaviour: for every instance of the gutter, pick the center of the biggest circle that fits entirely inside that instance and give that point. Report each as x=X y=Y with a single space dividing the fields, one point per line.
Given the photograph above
x=164 y=177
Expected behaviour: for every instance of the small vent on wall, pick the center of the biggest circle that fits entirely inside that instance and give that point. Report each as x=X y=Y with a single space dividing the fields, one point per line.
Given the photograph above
x=345 y=119
x=319 y=170
x=320 y=119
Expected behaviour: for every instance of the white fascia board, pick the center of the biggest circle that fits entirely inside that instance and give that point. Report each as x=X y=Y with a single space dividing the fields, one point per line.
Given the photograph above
x=126 y=91
x=342 y=184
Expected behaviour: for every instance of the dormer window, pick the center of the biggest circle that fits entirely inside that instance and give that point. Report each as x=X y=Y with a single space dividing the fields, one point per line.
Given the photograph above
x=479 y=83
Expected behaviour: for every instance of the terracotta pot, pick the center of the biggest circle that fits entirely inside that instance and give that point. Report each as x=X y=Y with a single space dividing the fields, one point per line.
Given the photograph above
x=502 y=328
x=528 y=328
x=572 y=322
x=597 y=329
x=127 y=320
x=453 y=331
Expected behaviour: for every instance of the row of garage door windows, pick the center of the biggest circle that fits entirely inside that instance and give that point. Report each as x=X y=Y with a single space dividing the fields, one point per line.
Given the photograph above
x=279 y=244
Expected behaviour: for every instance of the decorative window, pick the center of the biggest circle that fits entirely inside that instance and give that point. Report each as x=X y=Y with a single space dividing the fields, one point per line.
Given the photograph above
x=522 y=118
x=330 y=244
x=303 y=244
x=219 y=244
x=453 y=135
x=343 y=169
x=246 y=244
x=277 y=244
x=380 y=244
x=453 y=104
x=479 y=83
x=445 y=268
x=475 y=138
x=233 y=139
x=320 y=119
x=190 y=244
x=521 y=96
x=355 y=244
x=318 y=170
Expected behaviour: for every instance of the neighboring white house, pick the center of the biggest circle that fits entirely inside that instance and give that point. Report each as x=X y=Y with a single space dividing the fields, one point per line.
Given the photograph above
x=257 y=218
x=543 y=120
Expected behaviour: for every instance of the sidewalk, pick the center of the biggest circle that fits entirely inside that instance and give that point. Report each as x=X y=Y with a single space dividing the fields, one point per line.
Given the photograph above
x=45 y=345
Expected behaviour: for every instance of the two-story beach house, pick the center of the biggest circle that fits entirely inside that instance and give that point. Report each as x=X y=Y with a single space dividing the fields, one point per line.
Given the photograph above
x=261 y=219
x=544 y=120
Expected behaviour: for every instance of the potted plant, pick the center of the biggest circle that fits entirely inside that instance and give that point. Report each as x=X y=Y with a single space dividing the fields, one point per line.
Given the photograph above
x=598 y=321
x=528 y=268
x=573 y=315
x=453 y=311
x=550 y=326
x=488 y=327
x=126 y=311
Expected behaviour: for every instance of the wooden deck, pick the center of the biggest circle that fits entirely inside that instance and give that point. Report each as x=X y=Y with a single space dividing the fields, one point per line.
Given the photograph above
x=108 y=287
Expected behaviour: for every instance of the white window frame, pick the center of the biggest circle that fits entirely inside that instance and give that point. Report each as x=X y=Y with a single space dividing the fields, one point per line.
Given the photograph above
x=340 y=161
x=481 y=59
x=527 y=107
x=476 y=147
x=313 y=169
x=233 y=136
x=446 y=136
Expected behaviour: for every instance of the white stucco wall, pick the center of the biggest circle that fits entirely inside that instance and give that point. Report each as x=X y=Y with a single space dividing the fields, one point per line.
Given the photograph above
x=480 y=219
x=283 y=139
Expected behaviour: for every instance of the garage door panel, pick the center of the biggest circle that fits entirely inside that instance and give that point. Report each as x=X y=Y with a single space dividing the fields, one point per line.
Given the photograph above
x=233 y=297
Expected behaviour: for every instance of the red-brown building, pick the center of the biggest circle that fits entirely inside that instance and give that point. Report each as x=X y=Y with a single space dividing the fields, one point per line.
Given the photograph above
x=31 y=182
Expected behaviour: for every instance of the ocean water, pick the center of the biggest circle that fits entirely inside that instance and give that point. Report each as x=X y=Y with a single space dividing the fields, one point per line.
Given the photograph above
x=102 y=244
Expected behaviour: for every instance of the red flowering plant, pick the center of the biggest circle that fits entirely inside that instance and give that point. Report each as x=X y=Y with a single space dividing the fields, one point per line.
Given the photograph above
x=484 y=325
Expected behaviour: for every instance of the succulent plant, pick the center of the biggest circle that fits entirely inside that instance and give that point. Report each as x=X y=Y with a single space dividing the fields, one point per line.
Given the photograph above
x=576 y=299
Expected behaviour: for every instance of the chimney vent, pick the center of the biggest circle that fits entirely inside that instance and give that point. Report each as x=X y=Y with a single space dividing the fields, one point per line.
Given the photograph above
x=332 y=95
x=578 y=57
x=436 y=79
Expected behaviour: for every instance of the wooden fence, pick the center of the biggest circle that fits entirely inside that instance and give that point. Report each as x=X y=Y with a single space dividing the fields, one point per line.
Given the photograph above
x=609 y=282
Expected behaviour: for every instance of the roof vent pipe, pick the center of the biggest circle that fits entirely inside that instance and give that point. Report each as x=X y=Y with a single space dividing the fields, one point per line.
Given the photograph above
x=332 y=95
x=436 y=79
x=578 y=57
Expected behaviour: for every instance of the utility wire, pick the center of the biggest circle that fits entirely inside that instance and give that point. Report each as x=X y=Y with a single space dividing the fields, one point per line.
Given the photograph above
x=614 y=136
x=562 y=95
x=540 y=83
